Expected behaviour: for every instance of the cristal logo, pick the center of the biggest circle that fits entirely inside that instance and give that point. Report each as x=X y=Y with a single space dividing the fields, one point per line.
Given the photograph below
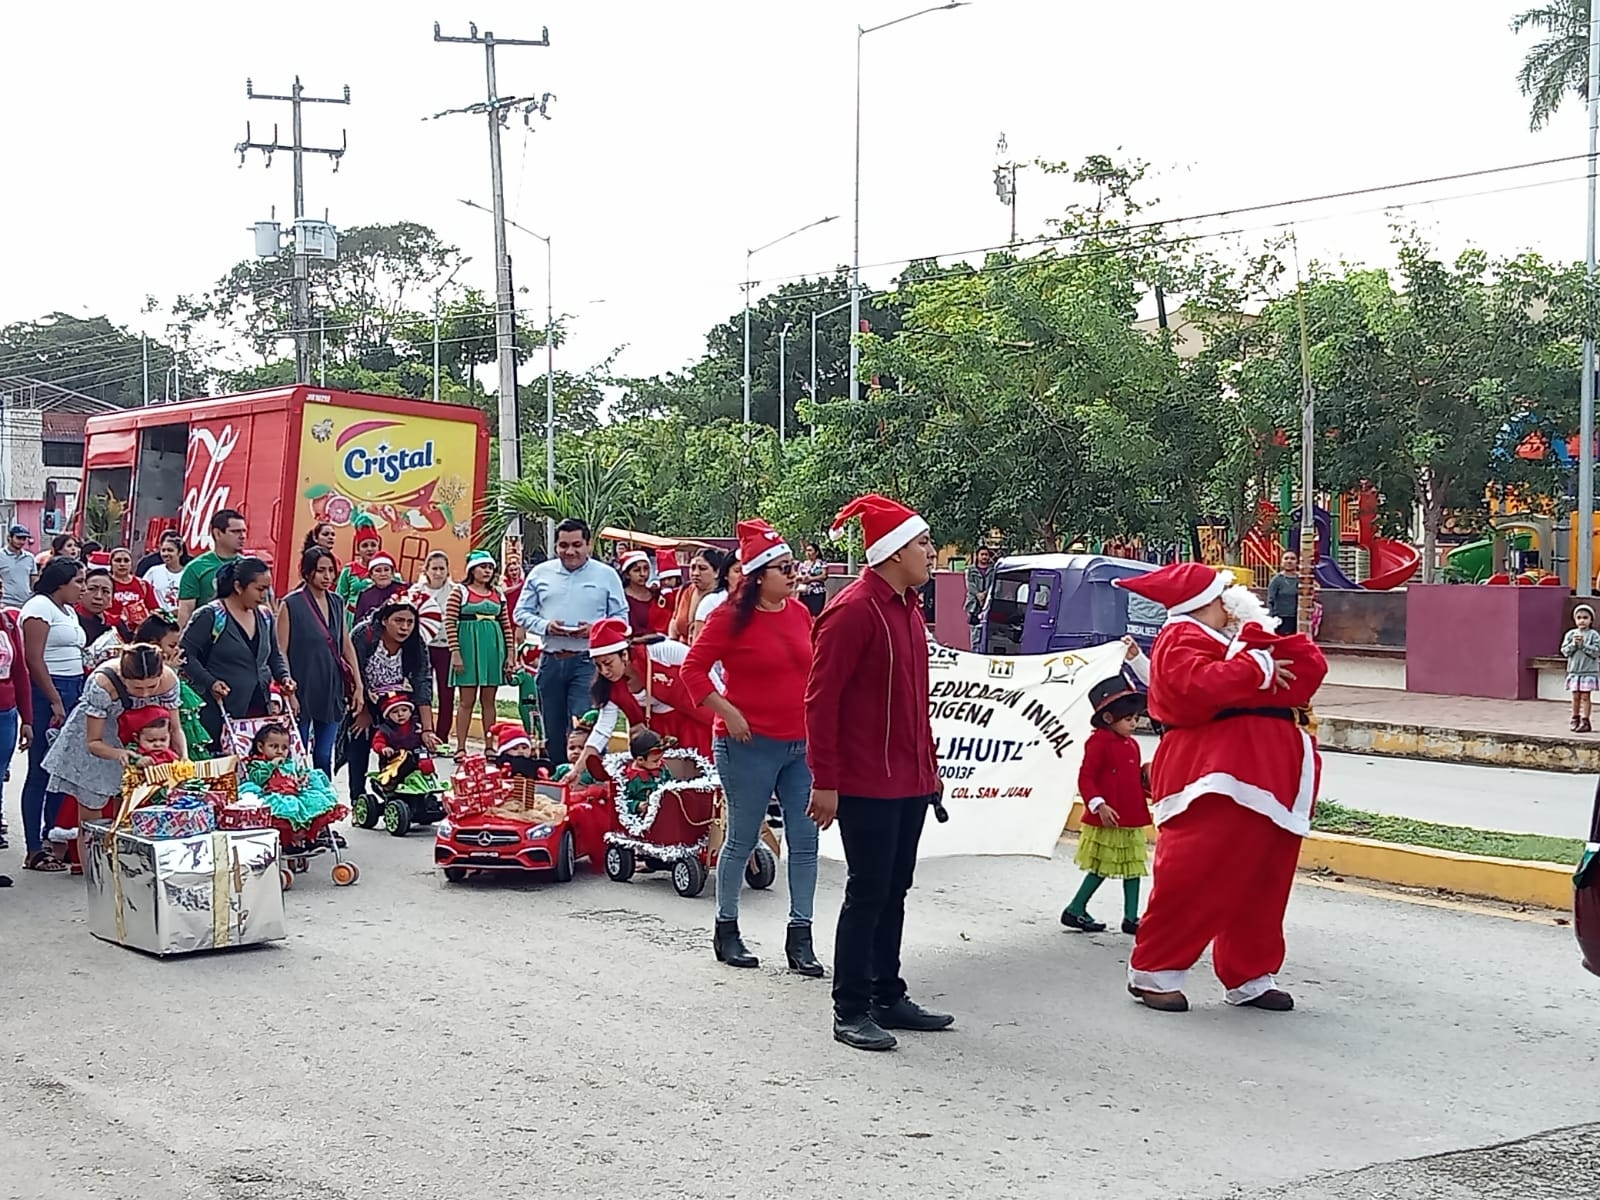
x=383 y=461
x=205 y=500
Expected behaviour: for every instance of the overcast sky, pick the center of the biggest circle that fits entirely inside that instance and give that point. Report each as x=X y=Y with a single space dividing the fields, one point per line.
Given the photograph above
x=684 y=133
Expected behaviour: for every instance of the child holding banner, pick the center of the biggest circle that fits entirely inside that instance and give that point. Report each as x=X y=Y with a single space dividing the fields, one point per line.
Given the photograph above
x=1111 y=841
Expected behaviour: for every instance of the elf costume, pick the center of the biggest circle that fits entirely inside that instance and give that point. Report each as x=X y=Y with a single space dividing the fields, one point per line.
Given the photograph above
x=1233 y=780
x=195 y=736
x=526 y=677
x=353 y=579
x=301 y=799
x=1112 y=785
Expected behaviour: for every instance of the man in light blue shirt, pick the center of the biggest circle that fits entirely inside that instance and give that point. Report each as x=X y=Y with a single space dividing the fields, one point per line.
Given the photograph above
x=560 y=600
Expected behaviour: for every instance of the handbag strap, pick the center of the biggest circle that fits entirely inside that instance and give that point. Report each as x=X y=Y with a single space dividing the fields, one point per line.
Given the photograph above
x=322 y=619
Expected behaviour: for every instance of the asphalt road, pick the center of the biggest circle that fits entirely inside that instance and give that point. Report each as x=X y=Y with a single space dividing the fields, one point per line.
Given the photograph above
x=526 y=1038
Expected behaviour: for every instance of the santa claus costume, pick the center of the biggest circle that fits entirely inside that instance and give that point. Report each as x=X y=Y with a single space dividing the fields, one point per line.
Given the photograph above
x=649 y=690
x=668 y=575
x=1233 y=782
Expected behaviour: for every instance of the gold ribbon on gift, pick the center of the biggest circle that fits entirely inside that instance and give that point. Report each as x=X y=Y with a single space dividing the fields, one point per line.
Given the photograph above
x=227 y=880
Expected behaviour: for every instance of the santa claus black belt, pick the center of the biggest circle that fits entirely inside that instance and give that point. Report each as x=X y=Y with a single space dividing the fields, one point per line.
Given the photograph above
x=1277 y=714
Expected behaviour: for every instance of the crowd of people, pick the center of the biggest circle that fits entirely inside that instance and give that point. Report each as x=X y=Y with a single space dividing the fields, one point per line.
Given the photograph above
x=816 y=706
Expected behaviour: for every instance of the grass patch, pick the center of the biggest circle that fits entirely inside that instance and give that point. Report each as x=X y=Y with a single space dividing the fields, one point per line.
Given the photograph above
x=1335 y=818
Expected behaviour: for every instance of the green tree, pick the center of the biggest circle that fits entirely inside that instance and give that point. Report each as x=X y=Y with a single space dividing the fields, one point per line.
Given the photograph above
x=93 y=355
x=595 y=486
x=1558 y=63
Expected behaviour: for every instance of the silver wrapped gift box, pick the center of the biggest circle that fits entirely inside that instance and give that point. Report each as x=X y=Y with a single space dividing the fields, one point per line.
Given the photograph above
x=179 y=895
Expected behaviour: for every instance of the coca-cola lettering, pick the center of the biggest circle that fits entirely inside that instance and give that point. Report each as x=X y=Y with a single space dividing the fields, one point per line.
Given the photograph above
x=386 y=463
x=210 y=495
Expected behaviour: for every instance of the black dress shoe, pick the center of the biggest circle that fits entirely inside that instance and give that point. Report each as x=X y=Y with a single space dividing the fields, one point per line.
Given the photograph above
x=905 y=1013
x=1082 y=924
x=730 y=946
x=802 y=958
x=862 y=1033
x=1130 y=926
x=1271 y=1000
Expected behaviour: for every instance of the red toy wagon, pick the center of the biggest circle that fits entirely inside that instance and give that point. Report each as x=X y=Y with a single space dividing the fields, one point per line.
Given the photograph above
x=496 y=821
x=680 y=828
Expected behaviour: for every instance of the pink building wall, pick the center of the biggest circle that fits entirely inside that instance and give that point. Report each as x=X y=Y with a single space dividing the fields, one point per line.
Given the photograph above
x=1473 y=640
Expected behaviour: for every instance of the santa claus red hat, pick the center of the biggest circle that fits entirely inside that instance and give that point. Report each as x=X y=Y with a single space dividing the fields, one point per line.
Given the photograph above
x=667 y=563
x=1179 y=587
x=508 y=736
x=759 y=544
x=632 y=558
x=380 y=560
x=887 y=526
x=608 y=636
x=392 y=699
x=135 y=720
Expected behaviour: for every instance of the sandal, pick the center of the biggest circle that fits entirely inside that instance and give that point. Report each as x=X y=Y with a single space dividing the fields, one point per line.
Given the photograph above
x=43 y=860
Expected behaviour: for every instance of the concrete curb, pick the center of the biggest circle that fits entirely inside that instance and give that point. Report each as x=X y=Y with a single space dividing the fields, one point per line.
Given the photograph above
x=1481 y=747
x=1544 y=885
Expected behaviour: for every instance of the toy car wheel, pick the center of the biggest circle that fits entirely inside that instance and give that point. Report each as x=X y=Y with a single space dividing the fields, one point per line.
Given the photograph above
x=762 y=869
x=397 y=817
x=288 y=878
x=455 y=874
x=366 y=810
x=344 y=874
x=566 y=857
x=619 y=864
x=688 y=877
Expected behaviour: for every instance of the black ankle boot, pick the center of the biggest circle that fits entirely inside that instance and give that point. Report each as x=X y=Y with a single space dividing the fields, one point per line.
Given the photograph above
x=730 y=946
x=802 y=959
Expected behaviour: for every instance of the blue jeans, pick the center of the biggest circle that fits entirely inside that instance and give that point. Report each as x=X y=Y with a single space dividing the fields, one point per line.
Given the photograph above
x=319 y=737
x=752 y=773
x=39 y=806
x=564 y=685
x=10 y=719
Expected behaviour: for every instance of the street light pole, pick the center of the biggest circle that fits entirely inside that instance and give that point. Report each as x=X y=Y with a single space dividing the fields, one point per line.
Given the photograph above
x=748 y=255
x=1584 y=584
x=814 y=318
x=855 y=246
x=783 y=400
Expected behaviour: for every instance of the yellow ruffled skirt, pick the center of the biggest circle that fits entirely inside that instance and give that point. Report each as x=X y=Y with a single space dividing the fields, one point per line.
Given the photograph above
x=1112 y=853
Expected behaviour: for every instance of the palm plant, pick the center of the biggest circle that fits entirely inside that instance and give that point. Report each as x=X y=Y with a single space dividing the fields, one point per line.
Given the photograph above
x=1559 y=62
x=599 y=488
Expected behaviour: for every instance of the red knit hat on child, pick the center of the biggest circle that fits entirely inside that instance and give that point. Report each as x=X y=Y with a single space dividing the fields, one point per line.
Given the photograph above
x=389 y=701
x=759 y=544
x=133 y=722
x=1179 y=587
x=887 y=526
x=508 y=736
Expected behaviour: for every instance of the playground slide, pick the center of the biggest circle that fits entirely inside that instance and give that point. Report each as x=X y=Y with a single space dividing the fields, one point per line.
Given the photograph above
x=1390 y=564
x=1328 y=573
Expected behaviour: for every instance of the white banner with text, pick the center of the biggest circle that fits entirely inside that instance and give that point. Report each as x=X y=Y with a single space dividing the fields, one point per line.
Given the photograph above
x=1009 y=734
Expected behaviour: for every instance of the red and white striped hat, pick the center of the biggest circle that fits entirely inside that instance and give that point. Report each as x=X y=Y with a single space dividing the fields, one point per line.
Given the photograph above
x=608 y=636
x=631 y=558
x=887 y=526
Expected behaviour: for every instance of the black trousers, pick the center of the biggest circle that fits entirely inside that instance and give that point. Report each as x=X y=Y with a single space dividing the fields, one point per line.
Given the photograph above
x=880 y=853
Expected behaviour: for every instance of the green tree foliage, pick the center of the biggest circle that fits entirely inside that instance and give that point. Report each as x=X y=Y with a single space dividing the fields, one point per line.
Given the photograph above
x=1558 y=63
x=91 y=355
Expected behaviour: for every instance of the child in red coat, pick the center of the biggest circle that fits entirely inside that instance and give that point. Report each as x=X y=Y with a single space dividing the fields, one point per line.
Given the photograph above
x=1116 y=798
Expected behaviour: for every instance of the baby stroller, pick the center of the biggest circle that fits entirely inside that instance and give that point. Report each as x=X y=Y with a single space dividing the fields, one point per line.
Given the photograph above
x=300 y=843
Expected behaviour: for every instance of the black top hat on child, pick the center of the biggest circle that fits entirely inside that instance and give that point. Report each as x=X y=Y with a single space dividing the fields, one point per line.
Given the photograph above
x=1112 y=699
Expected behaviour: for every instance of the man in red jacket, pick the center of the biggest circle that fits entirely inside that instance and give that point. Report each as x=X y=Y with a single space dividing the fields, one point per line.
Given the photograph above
x=870 y=746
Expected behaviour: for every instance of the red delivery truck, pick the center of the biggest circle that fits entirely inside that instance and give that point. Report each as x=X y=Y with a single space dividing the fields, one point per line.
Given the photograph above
x=288 y=458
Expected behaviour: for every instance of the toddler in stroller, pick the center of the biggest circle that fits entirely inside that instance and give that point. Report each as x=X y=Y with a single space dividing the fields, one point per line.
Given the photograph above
x=406 y=789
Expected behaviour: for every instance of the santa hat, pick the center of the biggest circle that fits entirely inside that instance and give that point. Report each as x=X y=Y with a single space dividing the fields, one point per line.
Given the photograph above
x=478 y=558
x=1179 y=587
x=528 y=656
x=887 y=526
x=388 y=701
x=100 y=558
x=759 y=544
x=608 y=636
x=380 y=560
x=131 y=723
x=667 y=563
x=631 y=559
x=509 y=736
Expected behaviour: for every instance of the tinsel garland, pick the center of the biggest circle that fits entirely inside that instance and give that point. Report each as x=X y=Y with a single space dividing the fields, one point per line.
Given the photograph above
x=650 y=850
x=638 y=825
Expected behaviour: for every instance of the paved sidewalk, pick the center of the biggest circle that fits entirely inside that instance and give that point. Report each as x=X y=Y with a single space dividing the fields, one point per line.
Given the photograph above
x=1536 y=718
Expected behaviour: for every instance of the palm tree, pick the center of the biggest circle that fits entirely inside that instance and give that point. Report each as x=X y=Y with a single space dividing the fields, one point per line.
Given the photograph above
x=1559 y=62
x=599 y=488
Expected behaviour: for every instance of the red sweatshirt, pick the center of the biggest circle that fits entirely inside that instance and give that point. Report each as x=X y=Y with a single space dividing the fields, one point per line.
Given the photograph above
x=867 y=726
x=764 y=668
x=15 y=689
x=1111 y=772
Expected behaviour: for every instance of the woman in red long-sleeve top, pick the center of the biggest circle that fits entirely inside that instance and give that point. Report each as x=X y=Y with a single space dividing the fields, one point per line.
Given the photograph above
x=16 y=700
x=762 y=639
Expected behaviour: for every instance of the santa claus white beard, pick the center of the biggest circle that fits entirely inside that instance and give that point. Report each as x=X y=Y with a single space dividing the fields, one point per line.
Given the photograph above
x=1244 y=609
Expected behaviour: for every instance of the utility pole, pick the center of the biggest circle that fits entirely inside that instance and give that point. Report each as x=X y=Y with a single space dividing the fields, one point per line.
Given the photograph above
x=498 y=110
x=1005 y=185
x=1584 y=583
x=301 y=301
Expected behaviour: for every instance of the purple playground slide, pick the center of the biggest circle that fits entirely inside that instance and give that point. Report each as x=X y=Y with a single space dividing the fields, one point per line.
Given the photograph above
x=1328 y=573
